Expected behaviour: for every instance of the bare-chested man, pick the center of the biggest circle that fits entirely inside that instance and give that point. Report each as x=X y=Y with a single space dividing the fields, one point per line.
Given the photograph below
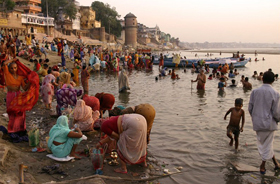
x=201 y=80
x=233 y=127
x=246 y=84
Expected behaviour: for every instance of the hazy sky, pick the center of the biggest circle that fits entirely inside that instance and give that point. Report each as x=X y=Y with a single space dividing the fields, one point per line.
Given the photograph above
x=207 y=20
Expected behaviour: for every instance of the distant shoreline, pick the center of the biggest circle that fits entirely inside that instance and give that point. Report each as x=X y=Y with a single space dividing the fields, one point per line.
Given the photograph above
x=241 y=51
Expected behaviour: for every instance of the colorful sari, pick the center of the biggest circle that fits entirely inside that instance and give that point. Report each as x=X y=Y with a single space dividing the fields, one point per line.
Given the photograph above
x=47 y=89
x=132 y=144
x=59 y=133
x=106 y=100
x=146 y=110
x=115 y=64
x=17 y=102
x=83 y=116
x=92 y=101
x=66 y=96
x=59 y=48
x=76 y=75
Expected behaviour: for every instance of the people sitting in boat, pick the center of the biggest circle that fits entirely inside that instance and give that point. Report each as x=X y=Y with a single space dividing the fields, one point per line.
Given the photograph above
x=173 y=75
x=255 y=75
x=210 y=77
x=260 y=76
x=231 y=74
x=233 y=83
x=220 y=67
x=231 y=67
x=235 y=72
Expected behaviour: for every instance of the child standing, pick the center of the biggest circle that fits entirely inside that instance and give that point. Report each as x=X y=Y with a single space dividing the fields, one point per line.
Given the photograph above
x=222 y=84
x=233 y=127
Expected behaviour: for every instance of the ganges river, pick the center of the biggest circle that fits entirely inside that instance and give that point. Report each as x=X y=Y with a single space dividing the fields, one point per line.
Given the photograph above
x=189 y=128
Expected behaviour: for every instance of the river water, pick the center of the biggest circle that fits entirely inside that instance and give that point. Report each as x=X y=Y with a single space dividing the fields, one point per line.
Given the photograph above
x=189 y=129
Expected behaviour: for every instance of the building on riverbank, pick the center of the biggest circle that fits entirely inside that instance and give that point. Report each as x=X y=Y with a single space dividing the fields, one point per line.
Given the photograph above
x=130 y=30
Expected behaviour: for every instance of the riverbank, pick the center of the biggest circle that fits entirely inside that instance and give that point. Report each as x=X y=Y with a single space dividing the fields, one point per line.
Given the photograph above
x=20 y=153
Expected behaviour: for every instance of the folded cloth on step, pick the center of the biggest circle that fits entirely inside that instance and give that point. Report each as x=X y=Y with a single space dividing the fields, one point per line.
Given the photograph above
x=65 y=159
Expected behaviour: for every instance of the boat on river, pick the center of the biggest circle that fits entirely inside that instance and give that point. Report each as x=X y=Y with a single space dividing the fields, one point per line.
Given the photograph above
x=213 y=63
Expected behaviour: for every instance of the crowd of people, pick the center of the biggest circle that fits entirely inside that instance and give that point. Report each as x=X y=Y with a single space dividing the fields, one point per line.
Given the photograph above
x=76 y=110
x=129 y=127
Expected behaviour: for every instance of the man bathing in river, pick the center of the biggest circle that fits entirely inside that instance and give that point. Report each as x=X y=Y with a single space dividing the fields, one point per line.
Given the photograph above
x=201 y=80
x=233 y=127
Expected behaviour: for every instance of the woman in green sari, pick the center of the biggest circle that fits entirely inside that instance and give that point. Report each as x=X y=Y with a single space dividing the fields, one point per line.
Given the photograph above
x=63 y=141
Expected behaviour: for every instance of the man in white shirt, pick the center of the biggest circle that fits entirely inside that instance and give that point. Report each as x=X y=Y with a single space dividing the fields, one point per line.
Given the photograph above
x=264 y=108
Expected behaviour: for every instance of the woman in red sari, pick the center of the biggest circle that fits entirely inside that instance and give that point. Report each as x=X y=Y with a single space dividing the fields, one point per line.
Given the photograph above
x=130 y=132
x=59 y=48
x=13 y=83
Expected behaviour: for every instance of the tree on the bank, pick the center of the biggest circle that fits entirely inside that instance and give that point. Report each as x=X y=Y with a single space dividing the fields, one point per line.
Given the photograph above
x=6 y=5
x=69 y=8
x=108 y=16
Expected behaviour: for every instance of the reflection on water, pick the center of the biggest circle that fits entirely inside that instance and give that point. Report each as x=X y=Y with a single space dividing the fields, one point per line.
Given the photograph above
x=221 y=93
x=189 y=129
x=200 y=93
x=124 y=98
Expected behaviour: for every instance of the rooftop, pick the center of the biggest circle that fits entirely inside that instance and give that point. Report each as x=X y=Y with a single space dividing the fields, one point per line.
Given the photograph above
x=130 y=15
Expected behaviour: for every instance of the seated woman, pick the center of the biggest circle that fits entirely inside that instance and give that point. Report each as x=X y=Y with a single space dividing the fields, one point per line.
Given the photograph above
x=84 y=116
x=63 y=141
x=106 y=101
x=66 y=96
x=130 y=131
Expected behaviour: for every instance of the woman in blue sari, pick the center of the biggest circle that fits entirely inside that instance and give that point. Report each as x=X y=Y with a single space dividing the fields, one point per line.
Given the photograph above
x=63 y=141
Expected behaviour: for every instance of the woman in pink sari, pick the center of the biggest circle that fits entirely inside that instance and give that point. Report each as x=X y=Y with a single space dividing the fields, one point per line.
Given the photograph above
x=47 y=89
x=84 y=117
x=130 y=130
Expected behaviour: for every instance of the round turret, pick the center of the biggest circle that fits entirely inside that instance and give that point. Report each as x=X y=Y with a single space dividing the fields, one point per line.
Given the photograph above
x=130 y=30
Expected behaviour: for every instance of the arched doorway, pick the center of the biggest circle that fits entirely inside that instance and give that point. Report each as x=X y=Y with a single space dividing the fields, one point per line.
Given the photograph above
x=31 y=30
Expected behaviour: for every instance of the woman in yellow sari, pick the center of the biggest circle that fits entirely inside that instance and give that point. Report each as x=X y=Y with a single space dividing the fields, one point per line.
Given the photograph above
x=76 y=74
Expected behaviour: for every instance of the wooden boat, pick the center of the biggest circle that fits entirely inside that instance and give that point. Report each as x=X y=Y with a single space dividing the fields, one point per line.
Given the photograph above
x=213 y=63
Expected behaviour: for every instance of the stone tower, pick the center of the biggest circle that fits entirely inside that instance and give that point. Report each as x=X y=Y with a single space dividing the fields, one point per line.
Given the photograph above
x=130 y=30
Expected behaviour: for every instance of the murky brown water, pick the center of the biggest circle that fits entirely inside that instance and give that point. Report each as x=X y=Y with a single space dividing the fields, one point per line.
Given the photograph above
x=189 y=129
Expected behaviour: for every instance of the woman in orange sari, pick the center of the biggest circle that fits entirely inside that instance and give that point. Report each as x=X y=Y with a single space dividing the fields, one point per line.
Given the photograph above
x=14 y=82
